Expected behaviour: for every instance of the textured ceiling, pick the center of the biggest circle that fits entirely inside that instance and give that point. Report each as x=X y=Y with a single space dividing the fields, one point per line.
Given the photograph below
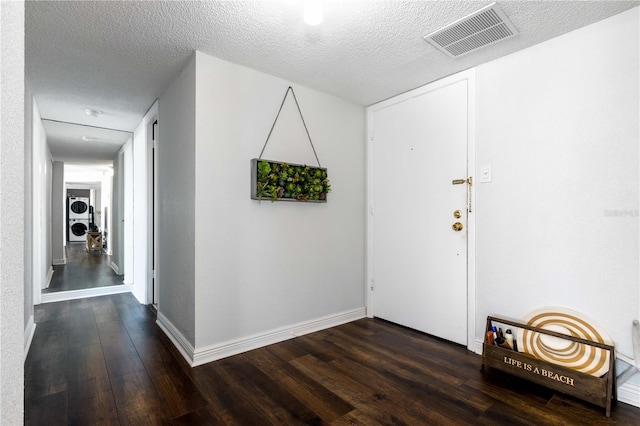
x=119 y=56
x=66 y=143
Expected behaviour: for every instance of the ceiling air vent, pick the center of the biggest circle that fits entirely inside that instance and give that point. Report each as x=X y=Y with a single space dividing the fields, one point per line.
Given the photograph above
x=479 y=29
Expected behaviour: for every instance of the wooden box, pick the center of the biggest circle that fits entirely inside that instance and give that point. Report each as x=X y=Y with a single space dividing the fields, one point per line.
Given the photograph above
x=596 y=390
x=94 y=242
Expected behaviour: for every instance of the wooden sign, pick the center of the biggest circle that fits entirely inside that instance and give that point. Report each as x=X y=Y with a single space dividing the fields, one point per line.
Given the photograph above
x=596 y=390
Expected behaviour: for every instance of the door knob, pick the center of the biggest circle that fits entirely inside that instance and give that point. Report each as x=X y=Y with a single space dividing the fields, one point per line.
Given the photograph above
x=457 y=214
x=457 y=226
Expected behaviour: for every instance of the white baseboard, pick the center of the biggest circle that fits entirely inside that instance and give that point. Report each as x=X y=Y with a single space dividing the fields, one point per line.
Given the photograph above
x=177 y=338
x=476 y=347
x=115 y=268
x=215 y=352
x=59 y=262
x=49 y=277
x=59 y=296
x=29 y=331
x=629 y=394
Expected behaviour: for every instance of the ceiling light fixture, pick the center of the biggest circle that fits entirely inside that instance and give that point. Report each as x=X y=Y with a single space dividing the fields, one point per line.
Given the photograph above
x=313 y=12
x=88 y=138
x=92 y=112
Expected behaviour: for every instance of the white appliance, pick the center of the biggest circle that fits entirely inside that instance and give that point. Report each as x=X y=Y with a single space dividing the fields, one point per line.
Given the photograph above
x=78 y=229
x=78 y=208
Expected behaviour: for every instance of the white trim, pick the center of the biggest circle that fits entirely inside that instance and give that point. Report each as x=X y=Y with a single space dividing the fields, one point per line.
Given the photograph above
x=60 y=296
x=57 y=262
x=369 y=283
x=29 y=331
x=115 y=268
x=476 y=347
x=49 y=276
x=177 y=338
x=471 y=216
x=629 y=394
x=149 y=145
x=470 y=76
x=218 y=351
x=128 y=252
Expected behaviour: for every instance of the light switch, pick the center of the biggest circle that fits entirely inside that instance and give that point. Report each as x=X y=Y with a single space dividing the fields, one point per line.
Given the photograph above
x=485 y=174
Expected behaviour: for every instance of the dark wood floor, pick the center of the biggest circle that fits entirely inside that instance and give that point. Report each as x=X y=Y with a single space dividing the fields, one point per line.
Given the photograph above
x=83 y=270
x=104 y=361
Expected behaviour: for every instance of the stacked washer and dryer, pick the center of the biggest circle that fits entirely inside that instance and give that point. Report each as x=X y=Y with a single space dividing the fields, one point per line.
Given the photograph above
x=78 y=218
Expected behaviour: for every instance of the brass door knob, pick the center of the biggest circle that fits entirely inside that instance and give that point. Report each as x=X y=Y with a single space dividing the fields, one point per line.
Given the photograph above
x=457 y=226
x=457 y=214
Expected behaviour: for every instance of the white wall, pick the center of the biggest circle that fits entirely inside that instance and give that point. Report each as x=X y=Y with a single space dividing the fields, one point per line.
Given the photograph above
x=41 y=214
x=176 y=203
x=28 y=214
x=141 y=252
x=127 y=243
x=116 y=225
x=106 y=192
x=12 y=193
x=58 y=206
x=48 y=197
x=558 y=226
x=262 y=266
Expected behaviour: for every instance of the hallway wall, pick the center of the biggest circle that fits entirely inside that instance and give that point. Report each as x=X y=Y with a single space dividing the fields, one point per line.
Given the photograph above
x=12 y=196
x=41 y=193
x=142 y=254
x=58 y=206
x=175 y=270
x=116 y=231
x=28 y=211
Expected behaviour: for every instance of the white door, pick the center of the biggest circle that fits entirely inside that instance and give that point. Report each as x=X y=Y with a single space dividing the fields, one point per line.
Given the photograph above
x=419 y=263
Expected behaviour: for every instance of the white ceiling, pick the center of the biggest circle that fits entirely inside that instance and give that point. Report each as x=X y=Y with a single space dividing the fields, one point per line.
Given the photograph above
x=66 y=143
x=118 y=56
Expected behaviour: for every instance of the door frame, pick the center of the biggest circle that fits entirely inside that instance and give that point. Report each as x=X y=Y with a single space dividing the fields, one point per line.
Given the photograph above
x=470 y=77
x=150 y=183
x=152 y=209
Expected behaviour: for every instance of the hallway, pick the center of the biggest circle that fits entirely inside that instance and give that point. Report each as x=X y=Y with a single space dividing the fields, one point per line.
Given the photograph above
x=83 y=270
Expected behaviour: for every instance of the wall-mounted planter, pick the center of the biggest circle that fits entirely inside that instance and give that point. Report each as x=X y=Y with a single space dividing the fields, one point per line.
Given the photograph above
x=278 y=181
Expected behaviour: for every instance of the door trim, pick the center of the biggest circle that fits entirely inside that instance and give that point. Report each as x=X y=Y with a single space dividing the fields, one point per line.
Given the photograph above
x=470 y=77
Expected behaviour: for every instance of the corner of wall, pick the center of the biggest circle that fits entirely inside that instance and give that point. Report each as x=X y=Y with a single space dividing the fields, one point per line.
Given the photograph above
x=49 y=277
x=29 y=332
x=177 y=338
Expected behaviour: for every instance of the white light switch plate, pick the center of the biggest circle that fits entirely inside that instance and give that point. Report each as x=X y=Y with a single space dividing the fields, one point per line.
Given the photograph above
x=485 y=174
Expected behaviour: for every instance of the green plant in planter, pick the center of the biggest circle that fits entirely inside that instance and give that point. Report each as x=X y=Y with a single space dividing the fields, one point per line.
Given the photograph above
x=282 y=180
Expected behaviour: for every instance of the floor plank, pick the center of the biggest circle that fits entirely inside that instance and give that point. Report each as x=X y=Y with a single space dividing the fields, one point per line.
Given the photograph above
x=105 y=361
x=137 y=400
x=97 y=409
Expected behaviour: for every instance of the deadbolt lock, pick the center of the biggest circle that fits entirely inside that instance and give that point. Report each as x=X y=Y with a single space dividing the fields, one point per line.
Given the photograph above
x=457 y=214
x=457 y=226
